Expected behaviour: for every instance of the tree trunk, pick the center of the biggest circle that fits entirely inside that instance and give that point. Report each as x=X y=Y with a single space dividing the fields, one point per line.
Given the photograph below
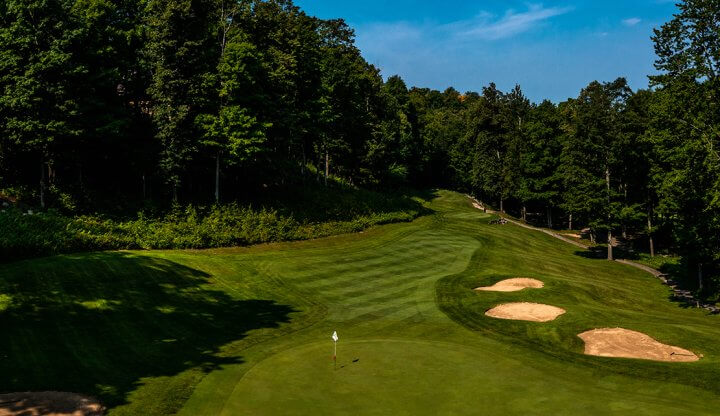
x=700 y=277
x=51 y=174
x=502 y=205
x=570 y=223
x=650 y=237
x=549 y=216
x=625 y=200
x=327 y=166
x=304 y=165
x=42 y=183
x=524 y=213
x=217 y=178
x=318 y=172
x=144 y=182
x=607 y=184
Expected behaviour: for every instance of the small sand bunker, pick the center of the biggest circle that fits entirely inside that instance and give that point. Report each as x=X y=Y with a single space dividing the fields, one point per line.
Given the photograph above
x=619 y=342
x=513 y=285
x=535 y=312
x=49 y=403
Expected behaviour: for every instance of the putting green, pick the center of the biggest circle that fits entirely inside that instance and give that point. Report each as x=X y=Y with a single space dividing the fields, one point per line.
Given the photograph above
x=379 y=377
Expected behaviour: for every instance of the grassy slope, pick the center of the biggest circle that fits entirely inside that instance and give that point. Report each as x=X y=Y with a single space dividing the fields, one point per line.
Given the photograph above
x=246 y=331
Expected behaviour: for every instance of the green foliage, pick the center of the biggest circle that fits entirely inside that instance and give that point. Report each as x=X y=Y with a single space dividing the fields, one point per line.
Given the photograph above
x=233 y=130
x=180 y=46
x=682 y=130
x=319 y=213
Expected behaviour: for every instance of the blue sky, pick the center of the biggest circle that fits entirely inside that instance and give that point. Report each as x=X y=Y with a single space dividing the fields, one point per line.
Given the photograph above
x=552 y=49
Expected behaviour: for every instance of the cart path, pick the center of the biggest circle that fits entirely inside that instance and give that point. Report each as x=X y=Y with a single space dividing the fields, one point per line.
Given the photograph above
x=679 y=294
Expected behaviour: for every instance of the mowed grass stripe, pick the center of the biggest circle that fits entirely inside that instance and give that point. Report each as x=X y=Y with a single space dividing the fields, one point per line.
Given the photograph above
x=230 y=310
x=408 y=258
x=408 y=248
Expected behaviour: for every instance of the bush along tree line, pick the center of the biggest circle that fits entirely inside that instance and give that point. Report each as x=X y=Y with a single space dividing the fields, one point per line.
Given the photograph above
x=199 y=101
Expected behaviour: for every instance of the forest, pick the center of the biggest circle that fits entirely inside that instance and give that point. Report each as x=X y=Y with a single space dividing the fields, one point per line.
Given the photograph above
x=204 y=109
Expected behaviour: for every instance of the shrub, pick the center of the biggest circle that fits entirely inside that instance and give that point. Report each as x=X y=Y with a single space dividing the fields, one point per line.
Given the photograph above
x=24 y=234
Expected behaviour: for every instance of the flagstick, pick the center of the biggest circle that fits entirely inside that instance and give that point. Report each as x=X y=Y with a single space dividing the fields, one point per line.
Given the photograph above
x=335 y=340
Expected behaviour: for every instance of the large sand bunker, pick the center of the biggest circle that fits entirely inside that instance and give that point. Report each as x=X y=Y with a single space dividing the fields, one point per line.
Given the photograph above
x=619 y=342
x=48 y=403
x=535 y=312
x=513 y=285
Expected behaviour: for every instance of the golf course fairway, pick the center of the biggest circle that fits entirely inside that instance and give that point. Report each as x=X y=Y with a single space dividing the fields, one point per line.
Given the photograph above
x=247 y=331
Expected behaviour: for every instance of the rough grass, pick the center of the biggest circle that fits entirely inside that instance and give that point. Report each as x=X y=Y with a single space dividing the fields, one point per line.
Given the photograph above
x=247 y=330
x=305 y=213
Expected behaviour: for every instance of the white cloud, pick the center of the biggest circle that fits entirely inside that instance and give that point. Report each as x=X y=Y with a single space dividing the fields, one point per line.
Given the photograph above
x=486 y=26
x=631 y=21
x=441 y=50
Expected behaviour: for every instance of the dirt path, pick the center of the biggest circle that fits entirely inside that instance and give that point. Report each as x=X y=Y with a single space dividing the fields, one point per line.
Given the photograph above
x=680 y=294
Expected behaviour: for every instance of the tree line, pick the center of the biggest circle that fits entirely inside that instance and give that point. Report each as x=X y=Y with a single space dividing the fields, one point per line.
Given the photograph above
x=191 y=100
x=172 y=98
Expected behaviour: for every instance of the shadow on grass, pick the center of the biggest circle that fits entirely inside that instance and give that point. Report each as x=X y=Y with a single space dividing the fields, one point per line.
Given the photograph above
x=595 y=252
x=335 y=203
x=684 y=286
x=600 y=252
x=101 y=324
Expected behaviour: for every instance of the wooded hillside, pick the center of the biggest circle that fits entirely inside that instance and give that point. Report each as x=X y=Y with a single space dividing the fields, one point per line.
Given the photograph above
x=106 y=103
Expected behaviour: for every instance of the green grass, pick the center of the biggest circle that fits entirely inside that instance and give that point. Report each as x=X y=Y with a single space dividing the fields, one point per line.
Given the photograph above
x=659 y=262
x=246 y=331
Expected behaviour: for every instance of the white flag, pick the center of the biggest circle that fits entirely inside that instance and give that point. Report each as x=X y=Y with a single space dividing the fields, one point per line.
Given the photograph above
x=334 y=336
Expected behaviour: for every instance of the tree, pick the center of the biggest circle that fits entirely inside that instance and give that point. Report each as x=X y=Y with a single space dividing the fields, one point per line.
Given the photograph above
x=540 y=160
x=486 y=130
x=516 y=112
x=350 y=100
x=495 y=126
x=291 y=46
x=684 y=133
x=593 y=153
x=181 y=47
x=39 y=79
x=392 y=144
x=233 y=129
x=117 y=149
x=638 y=198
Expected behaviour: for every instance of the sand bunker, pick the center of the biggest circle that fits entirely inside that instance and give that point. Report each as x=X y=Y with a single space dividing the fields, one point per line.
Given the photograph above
x=513 y=285
x=535 y=312
x=48 y=403
x=618 y=342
